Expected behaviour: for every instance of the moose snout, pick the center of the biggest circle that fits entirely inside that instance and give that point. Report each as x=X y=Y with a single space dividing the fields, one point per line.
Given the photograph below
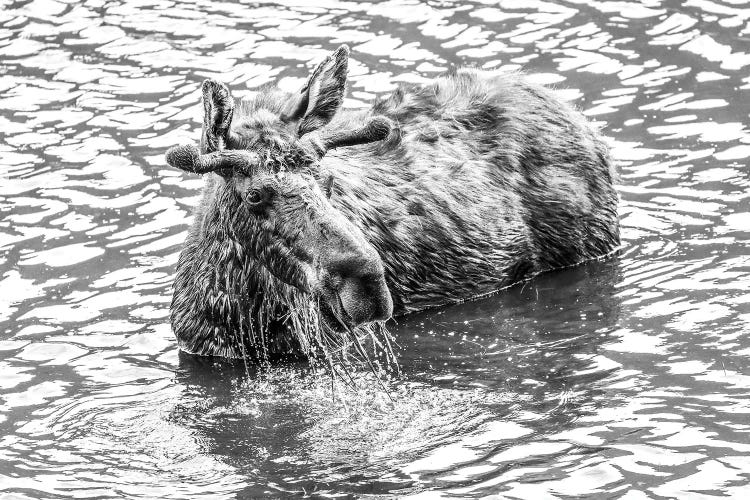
x=359 y=287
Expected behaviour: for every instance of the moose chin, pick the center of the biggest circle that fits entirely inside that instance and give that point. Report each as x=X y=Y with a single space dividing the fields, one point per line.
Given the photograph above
x=318 y=224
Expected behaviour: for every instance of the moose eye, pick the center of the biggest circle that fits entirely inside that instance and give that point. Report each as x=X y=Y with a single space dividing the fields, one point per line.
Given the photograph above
x=256 y=197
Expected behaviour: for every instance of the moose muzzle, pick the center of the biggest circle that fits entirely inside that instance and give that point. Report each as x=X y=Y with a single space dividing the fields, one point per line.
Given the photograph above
x=352 y=281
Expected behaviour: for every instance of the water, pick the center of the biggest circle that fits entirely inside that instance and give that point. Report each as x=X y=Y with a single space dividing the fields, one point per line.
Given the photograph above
x=628 y=378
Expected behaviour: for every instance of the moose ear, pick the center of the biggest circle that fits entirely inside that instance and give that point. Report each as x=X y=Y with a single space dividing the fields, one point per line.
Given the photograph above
x=218 y=107
x=321 y=97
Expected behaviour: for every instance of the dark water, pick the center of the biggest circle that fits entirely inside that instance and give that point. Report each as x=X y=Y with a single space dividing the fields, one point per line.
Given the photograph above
x=628 y=378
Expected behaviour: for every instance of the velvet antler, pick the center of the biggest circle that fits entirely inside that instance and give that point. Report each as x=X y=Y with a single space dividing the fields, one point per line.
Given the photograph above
x=375 y=129
x=218 y=107
x=190 y=159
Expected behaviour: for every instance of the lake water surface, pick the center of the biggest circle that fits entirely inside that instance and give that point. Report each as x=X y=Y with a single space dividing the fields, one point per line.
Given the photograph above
x=627 y=378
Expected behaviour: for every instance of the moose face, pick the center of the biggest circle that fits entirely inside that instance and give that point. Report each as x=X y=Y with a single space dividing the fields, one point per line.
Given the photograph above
x=268 y=164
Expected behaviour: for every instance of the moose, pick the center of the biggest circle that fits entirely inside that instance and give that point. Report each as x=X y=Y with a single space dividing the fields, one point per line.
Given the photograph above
x=317 y=224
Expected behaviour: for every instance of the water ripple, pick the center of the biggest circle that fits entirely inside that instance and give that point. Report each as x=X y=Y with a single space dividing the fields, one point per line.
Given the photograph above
x=626 y=378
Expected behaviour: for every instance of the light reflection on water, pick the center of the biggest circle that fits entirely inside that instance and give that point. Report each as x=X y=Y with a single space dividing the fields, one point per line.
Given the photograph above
x=629 y=377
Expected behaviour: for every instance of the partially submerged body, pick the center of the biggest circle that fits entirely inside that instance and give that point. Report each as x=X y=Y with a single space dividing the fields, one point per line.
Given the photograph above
x=483 y=180
x=489 y=180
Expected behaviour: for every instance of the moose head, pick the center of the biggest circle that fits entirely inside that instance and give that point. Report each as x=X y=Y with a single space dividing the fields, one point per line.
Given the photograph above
x=274 y=195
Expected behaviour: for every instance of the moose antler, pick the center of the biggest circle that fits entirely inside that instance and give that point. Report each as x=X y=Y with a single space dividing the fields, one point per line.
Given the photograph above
x=218 y=107
x=375 y=129
x=189 y=158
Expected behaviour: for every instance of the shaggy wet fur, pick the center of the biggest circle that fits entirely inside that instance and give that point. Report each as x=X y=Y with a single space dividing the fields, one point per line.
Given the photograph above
x=485 y=181
x=489 y=180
